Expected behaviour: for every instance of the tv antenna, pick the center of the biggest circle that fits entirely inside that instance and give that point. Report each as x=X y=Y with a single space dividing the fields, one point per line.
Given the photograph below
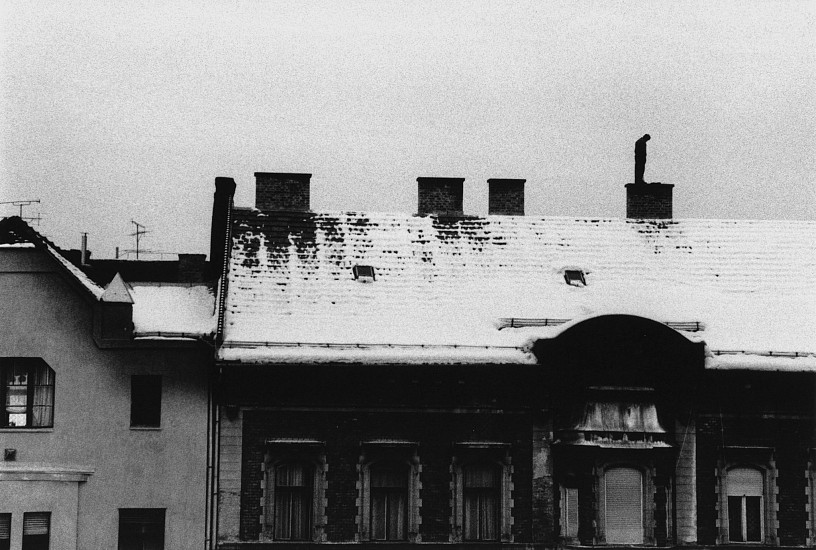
x=23 y=203
x=140 y=230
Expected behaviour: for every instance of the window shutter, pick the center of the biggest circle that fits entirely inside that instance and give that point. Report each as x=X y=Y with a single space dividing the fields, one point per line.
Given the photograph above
x=36 y=523
x=5 y=526
x=744 y=482
x=624 y=506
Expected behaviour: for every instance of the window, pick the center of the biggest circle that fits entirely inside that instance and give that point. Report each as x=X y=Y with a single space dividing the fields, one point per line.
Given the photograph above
x=5 y=531
x=745 y=490
x=389 y=486
x=574 y=277
x=294 y=490
x=623 y=506
x=364 y=273
x=389 y=501
x=36 y=530
x=481 y=488
x=26 y=393
x=569 y=512
x=141 y=528
x=294 y=494
x=145 y=401
x=747 y=504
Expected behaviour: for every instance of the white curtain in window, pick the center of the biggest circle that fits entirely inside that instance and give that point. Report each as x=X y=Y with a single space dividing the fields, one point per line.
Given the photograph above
x=389 y=503
x=293 y=502
x=481 y=507
x=42 y=411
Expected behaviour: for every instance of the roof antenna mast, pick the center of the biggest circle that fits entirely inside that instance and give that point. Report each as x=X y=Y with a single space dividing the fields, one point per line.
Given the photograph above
x=140 y=230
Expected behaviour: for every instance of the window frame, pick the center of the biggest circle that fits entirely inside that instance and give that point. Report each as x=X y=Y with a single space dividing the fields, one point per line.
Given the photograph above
x=146 y=514
x=137 y=404
x=37 y=543
x=34 y=367
x=760 y=460
x=281 y=452
x=647 y=499
x=379 y=452
x=494 y=454
x=5 y=544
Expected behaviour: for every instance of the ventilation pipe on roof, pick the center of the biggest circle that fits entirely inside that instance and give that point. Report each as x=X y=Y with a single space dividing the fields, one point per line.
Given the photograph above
x=440 y=196
x=282 y=191
x=83 y=256
x=505 y=197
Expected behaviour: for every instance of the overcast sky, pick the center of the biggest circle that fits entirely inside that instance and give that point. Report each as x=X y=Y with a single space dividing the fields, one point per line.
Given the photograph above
x=113 y=112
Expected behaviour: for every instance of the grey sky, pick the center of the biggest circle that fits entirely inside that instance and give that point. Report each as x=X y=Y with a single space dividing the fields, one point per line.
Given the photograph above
x=129 y=110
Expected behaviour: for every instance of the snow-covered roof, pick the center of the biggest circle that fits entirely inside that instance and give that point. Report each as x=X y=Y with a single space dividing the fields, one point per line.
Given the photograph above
x=16 y=233
x=442 y=287
x=173 y=310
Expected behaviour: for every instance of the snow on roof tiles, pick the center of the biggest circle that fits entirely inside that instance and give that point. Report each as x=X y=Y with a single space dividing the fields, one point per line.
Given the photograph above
x=444 y=282
x=167 y=309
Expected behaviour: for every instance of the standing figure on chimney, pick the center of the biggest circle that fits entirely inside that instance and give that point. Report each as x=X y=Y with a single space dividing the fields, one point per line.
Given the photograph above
x=640 y=158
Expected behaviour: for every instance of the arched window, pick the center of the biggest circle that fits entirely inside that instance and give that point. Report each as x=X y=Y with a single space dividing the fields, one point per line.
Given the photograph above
x=745 y=500
x=389 y=501
x=623 y=506
x=481 y=486
x=294 y=495
x=26 y=393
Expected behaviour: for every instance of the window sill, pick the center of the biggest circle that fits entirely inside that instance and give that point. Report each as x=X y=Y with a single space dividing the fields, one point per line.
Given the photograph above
x=26 y=430
x=145 y=428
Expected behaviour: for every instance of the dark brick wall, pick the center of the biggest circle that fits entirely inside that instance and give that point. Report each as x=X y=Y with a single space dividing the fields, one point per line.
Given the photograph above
x=505 y=197
x=773 y=411
x=343 y=432
x=343 y=405
x=279 y=191
x=649 y=200
x=440 y=196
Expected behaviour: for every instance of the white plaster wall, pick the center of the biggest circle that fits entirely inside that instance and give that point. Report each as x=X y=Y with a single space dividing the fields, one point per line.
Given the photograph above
x=163 y=468
x=57 y=497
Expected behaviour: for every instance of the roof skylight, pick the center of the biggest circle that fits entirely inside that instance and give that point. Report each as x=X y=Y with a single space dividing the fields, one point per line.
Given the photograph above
x=364 y=273
x=575 y=277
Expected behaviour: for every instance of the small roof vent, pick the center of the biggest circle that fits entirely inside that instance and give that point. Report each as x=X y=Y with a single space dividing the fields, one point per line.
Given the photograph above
x=364 y=273
x=575 y=277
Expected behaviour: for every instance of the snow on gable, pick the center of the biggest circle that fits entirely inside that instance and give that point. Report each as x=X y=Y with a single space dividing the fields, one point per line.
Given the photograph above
x=173 y=309
x=448 y=282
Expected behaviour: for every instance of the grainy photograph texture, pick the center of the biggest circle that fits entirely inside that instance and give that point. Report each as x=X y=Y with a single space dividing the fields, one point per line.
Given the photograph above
x=362 y=275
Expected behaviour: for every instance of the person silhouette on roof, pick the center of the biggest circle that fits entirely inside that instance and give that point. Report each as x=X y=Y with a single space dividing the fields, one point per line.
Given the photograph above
x=640 y=157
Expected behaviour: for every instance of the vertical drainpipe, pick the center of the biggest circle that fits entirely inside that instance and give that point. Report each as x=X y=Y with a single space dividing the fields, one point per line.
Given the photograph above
x=221 y=253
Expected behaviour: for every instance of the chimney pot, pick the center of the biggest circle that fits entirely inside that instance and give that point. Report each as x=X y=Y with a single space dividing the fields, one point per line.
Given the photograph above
x=649 y=200
x=440 y=196
x=282 y=191
x=505 y=197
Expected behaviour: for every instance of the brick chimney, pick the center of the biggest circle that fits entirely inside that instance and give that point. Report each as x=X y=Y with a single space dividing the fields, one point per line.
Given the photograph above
x=440 y=196
x=281 y=191
x=222 y=204
x=649 y=200
x=505 y=197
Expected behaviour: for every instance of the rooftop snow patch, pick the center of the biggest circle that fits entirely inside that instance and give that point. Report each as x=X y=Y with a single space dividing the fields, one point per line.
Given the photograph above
x=449 y=281
x=172 y=309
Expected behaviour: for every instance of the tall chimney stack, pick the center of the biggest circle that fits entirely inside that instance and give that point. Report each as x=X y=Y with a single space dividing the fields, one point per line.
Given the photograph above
x=440 y=196
x=222 y=205
x=282 y=191
x=505 y=197
x=649 y=200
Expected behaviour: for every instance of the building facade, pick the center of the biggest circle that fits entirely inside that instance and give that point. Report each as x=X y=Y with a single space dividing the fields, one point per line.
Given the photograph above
x=505 y=381
x=104 y=422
